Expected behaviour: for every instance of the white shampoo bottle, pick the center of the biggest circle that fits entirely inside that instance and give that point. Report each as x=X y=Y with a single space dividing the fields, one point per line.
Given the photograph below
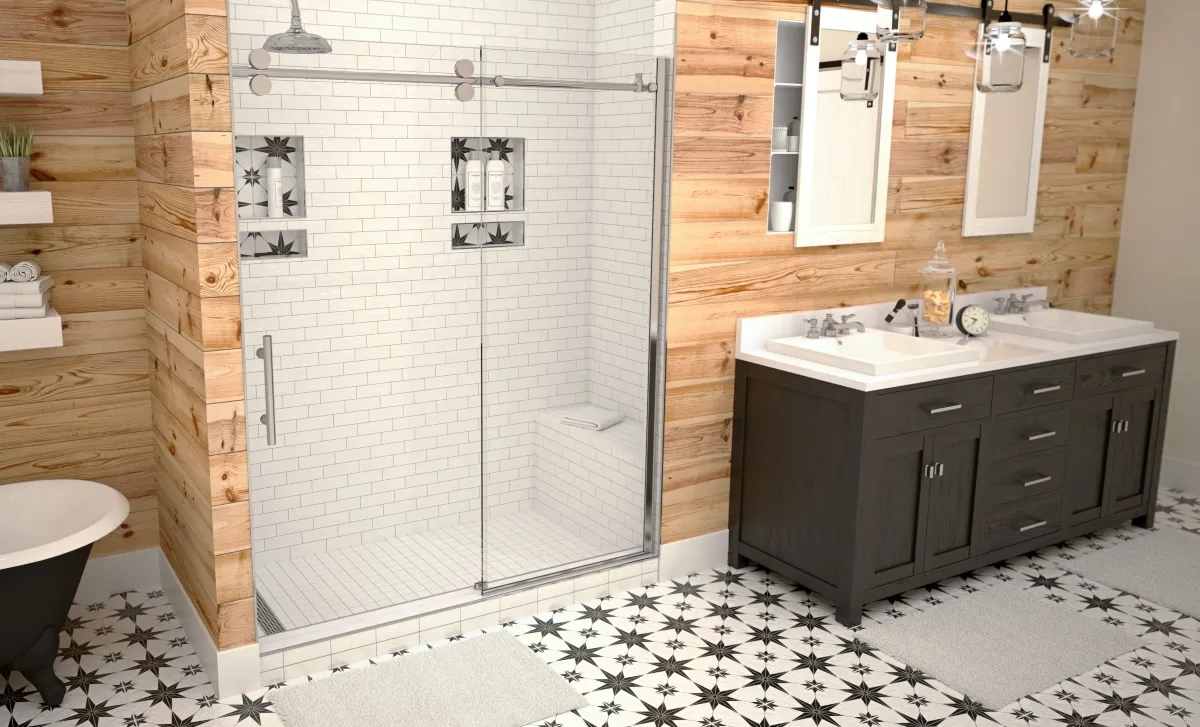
x=274 y=187
x=495 y=185
x=474 y=185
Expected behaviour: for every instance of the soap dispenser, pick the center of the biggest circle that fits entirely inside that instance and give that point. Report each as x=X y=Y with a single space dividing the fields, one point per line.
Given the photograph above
x=939 y=282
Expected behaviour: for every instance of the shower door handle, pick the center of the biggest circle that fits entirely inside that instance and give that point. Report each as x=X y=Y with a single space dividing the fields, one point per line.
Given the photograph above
x=267 y=354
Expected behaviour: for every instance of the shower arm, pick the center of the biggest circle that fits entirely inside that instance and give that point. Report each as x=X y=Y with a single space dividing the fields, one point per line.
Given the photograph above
x=296 y=25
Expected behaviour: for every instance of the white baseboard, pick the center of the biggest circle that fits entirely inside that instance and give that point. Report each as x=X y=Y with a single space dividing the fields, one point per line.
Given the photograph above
x=231 y=672
x=701 y=553
x=136 y=571
x=1180 y=474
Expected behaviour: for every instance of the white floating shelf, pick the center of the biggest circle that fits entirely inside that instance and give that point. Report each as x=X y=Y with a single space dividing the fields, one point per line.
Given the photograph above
x=25 y=333
x=26 y=208
x=20 y=78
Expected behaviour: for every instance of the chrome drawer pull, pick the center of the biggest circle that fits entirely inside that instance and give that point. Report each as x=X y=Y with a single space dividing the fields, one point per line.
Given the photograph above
x=944 y=409
x=941 y=470
x=1129 y=374
x=1038 y=481
x=1035 y=526
x=1046 y=435
x=1046 y=390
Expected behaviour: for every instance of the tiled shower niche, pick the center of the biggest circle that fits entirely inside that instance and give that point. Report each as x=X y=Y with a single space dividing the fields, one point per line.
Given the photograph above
x=273 y=244
x=465 y=235
x=510 y=151
x=251 y=155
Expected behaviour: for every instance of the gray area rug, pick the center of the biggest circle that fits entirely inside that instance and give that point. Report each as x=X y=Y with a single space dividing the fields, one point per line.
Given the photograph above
x=487 y=681
x=999 y=644
x=1161 y=566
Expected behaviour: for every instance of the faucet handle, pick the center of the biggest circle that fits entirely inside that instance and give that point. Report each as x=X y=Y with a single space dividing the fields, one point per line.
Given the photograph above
x=1026 y=297
x=847 y=318
x=1001 y=304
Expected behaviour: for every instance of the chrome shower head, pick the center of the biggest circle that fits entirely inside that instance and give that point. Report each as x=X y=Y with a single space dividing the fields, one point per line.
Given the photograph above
x=296 y=39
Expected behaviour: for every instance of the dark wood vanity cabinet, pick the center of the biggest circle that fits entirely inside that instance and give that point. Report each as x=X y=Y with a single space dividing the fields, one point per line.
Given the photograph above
x=863 y=495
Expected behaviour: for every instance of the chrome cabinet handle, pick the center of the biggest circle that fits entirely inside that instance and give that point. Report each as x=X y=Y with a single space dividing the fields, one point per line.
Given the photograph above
x=929 y=472
x=267 y=354
x=1044 y=435
x=941 y=469
x=1116 y=426
x=1038 y=481
x=1130 y=374
x=1035 y=526
x=944 y=409
x=1046 y=390
x=1124 y=426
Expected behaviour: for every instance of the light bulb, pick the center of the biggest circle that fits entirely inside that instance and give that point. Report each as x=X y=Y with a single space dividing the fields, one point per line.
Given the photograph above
x=1096 y=10
x=860 y=58
x=1003 y=43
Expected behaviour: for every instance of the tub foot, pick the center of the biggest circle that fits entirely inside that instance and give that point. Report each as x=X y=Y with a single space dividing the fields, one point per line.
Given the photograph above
x=38 y=667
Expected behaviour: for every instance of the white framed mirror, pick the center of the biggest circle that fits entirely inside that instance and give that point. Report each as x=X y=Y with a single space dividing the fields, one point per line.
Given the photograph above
x=1004 y=156
x=845 y=146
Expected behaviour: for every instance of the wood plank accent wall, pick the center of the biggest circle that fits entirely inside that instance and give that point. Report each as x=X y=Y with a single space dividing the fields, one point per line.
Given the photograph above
x=187 y=236
x=723 y=266
x=82 y=411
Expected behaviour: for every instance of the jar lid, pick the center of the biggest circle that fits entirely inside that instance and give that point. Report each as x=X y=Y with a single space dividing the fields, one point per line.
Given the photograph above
x=939 y=264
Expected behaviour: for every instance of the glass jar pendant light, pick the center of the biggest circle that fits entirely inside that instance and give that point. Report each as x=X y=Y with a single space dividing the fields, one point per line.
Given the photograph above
x=1000 y=67
x=862 y=70
x=1094 y=28
x=911 y=20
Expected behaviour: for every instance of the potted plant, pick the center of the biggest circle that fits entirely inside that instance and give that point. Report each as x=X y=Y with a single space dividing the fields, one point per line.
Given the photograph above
x=16 y=146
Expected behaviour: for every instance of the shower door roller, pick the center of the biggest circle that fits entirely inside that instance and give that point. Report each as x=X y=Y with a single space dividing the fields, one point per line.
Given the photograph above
x=464 y=92
x=464 y=68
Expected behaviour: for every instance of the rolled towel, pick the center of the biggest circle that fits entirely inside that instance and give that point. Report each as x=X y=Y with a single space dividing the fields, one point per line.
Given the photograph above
x=36 y=300
x=590 y=416
x=26 y=271
x=10 y=314
x=4 y=268
x=37 y=287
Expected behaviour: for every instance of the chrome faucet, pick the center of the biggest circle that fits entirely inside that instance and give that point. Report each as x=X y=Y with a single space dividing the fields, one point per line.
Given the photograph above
x=814 y=330
x=832 y=329
x=1013 y=304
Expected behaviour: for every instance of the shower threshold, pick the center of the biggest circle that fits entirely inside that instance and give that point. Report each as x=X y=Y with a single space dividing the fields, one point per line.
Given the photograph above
x=324 y=595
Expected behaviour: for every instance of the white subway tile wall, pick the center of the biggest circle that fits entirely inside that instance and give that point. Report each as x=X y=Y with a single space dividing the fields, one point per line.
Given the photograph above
x=378 y=332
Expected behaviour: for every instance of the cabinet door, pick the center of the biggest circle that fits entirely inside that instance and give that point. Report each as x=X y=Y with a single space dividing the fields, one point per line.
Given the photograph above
x=952 y=487
x=1089 y=458
x=1133 y=448
x=896 y=488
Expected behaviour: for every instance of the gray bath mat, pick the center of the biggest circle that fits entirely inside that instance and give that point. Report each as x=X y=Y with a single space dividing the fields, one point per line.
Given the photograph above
x=1162 y=567
x=486 y=681
x=999 y=644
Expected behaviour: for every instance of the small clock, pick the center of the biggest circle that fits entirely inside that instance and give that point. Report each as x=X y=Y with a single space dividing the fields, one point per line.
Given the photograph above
x=972 y=320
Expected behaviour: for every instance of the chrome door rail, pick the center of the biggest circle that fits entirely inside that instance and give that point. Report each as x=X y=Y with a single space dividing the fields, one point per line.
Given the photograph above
x=331 y=74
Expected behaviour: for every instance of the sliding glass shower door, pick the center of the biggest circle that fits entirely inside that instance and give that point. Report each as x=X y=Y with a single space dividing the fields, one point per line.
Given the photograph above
x=566 y=288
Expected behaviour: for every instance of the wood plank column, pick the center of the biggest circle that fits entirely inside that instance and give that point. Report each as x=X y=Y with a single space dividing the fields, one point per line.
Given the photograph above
x=179 y=66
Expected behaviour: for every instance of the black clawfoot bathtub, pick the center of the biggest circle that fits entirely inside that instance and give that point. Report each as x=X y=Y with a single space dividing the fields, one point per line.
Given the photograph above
x=46 y=535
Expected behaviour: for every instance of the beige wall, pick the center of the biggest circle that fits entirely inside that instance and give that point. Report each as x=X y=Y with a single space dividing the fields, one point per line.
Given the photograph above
x=1160 y=238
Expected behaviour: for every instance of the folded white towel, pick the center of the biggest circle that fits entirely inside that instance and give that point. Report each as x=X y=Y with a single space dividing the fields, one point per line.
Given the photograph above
x=4 y=268
x=26 y=271
x=11 y=314
x=36 y=300
x=590 y=416
x=37 y=287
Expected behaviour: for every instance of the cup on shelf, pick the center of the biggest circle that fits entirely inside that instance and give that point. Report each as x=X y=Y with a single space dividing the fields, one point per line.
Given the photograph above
x=782 y=216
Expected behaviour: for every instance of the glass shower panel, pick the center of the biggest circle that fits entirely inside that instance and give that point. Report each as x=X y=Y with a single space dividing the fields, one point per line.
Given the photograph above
x=566 y=303
x=369 y=496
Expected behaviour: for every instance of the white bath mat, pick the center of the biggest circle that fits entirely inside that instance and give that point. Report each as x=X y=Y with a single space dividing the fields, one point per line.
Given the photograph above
x=487 y=681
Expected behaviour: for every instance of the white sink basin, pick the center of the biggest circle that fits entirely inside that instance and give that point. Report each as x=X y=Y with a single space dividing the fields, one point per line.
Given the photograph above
x=1069 y=326
x=876 y=353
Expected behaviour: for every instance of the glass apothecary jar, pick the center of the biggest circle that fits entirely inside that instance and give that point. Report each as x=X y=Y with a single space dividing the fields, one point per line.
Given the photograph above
x=939 y=281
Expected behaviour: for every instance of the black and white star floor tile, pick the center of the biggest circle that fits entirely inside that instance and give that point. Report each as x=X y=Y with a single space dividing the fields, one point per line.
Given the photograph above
x=718 y=649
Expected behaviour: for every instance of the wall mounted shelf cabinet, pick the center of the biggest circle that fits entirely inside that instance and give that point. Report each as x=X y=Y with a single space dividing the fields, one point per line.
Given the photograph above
x=863 y=495
x=790 y=44
x=20 y=79
x=26 y=208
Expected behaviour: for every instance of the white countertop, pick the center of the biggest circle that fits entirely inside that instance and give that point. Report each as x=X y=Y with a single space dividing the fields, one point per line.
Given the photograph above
x=999 y=351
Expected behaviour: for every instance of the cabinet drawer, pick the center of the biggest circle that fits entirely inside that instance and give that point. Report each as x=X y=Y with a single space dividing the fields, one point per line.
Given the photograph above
x=1026 y=432
x=1030 y=476
x=1034 y=387
x=1121 y=371
x=1017 y=521
x=932 y=406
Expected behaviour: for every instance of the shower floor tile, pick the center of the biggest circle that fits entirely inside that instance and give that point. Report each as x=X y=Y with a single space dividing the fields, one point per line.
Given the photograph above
x=354 y=580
